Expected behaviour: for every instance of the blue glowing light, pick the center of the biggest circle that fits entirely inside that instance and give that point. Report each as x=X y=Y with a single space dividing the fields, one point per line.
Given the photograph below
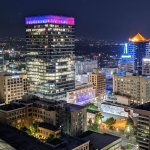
x=126 y=48
x=126 y=56
x=85 y=98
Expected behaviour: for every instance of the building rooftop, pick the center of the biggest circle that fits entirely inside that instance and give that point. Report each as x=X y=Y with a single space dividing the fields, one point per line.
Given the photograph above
x=92 y=111
x=11 y=74
x=138 y=38
x=73 y=142
x=36 y=101
x=99 y=140
x=145 y=106
x=49 y=19
x=9 y=107
x=80 y=86
x=65 y=143
x=74 y=107
x=20 y=140
x=54 y=142
x=5 y=146
x=48 y=126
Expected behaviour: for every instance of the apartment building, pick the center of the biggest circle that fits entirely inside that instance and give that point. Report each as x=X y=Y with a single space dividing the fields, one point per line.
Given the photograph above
x=143 y=126
x=75 y=120
x=12 y=87
x=136 y=88
x=70 y=118
x=99 y=82
x=47 y=130
x=23 y=113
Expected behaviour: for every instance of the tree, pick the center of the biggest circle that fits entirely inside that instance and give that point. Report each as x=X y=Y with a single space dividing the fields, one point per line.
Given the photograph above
x=90 y=122
x=92 y=107
x=130 y=121
x=110 y=122
x=98 y=118
x=94 y=127
x=24 y=129
x=129 y=129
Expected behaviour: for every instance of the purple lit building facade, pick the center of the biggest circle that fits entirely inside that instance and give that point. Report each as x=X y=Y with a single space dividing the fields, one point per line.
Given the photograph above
x=83 y=94
x=50 y=52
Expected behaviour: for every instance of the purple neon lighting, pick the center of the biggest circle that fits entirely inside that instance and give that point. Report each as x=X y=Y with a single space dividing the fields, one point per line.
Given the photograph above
x=50 y=19
x=85 y=98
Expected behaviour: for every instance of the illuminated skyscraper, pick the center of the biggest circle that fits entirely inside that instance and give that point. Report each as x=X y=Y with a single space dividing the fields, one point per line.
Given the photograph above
x=50 y=50
x=135 y=51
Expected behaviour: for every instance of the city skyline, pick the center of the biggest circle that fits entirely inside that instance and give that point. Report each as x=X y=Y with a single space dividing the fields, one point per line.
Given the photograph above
x=75 y=75
x=108 y=20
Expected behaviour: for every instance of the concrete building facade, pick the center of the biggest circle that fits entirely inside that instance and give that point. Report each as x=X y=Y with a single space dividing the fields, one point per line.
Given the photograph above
x=70 y=118
x=136 y=88
x=12 y=87
x=99 y=82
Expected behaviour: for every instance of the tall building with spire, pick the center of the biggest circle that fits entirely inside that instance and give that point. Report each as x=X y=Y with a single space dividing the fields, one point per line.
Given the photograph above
x=50 y=52
x=135 y=51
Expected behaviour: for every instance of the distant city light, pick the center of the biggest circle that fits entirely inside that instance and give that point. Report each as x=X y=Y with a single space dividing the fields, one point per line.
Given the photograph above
x=146 y=59
x=126 y=56
x=14 y=77
x=126 y=48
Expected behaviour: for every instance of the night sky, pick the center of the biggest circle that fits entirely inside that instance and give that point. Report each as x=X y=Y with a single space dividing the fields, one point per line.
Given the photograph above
x=98 y=19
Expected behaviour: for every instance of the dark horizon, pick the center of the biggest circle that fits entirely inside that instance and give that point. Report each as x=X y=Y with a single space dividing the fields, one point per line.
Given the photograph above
x=101 y=19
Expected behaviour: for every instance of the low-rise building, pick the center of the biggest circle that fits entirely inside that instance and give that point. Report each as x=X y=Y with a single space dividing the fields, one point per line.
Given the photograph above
x=19 y=140
x=99 y=141
x=47 y=130
x=70 y=118
x=118 y=110
x=83 y=94
x=23 y=113
x=68 y=143
x=14 y=115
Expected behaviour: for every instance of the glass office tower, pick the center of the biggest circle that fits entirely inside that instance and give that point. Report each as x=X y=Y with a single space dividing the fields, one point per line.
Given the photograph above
x=50 y=45
x=135 y=51
x=139 y=48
